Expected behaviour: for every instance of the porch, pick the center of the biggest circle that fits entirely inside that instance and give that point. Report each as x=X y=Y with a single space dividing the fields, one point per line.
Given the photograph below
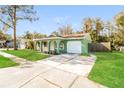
x=51 y=46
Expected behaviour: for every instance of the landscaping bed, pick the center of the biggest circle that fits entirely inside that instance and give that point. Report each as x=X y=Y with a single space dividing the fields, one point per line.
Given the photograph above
x=28 y=54
x=6 y=62
x=109 y=69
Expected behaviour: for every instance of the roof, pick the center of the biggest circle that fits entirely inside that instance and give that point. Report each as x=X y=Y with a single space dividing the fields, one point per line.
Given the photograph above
x=71 y=36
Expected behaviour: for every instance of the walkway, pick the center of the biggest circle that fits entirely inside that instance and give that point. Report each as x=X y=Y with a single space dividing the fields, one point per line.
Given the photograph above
x=21 y=61
x=61 y=71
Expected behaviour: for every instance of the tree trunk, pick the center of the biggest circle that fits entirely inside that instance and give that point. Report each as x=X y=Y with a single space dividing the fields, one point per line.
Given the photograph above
x=14 y=28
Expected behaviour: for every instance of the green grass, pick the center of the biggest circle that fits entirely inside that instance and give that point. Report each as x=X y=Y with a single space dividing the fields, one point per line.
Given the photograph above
x=109 y=69
x=28 y=54
x=5 y=62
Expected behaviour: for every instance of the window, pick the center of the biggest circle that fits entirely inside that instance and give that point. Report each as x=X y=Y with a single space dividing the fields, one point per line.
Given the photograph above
x=45 y=44
x=62 y=45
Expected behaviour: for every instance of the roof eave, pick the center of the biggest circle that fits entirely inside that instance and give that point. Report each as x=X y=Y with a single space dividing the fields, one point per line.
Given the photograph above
x=45 y=39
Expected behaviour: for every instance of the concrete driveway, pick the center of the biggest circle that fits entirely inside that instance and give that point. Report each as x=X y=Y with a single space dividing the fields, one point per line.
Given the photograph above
x=60 y=71
x=71 y=63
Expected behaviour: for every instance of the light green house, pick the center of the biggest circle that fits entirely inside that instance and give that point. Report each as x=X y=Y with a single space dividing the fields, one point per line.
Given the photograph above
x=74 y=43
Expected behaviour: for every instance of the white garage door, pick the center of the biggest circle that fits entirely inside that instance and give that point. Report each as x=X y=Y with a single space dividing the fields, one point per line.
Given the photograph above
x=74 y=47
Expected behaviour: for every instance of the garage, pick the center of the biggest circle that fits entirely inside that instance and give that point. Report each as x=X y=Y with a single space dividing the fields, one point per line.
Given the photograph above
x=74 y=47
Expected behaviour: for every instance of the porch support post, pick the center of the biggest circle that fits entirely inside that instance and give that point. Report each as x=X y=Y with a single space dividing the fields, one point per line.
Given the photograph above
x=35 y=45
x=40 y=46
x=57 y=46
x=48 y=45
x=65 y=46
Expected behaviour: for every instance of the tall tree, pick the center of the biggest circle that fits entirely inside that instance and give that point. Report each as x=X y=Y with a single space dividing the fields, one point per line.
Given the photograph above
x=34 y=35
x=98 y=27
x=37 y=35
x=87 y=25
x=93 y=26
x=119 y=19
x=11 y=14
x=55 y=33
x=65 y=30
x=27 y=35
x=117 y=39
x=2 y=36
x=108 y=27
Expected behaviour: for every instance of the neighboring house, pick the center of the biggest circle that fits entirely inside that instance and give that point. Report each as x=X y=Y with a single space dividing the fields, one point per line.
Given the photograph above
x=23 y=43
x=74 y=43
x=20 y=43
x=10 y=43
x=2 y=43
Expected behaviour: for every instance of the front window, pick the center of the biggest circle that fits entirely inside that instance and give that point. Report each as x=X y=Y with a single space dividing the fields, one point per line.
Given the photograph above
x=62 y=45
x=45 y=44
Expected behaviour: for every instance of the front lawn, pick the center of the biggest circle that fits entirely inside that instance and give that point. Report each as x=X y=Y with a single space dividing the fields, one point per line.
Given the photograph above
x=28 y=54
x=5 y=62
x=109 y=69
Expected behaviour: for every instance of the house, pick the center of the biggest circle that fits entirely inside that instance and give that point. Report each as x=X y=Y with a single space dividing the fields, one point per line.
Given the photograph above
x=74 y=43
x=2 y=43
x=20 y=43
x=10 y=43
x=23 y=43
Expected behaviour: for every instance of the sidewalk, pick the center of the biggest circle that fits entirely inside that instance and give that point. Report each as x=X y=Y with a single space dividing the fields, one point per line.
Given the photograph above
x=21 y=61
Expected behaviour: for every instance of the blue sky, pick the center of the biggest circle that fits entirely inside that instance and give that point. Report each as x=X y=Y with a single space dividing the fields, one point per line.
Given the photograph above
x=52 y=17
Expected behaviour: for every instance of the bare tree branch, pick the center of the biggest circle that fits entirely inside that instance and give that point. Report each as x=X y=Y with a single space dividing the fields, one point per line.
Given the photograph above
x=5 y=23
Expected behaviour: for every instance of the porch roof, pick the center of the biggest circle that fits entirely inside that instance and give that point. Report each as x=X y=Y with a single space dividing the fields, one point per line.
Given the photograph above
x=2 y=41
x=56 y=38
x=65 y=37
